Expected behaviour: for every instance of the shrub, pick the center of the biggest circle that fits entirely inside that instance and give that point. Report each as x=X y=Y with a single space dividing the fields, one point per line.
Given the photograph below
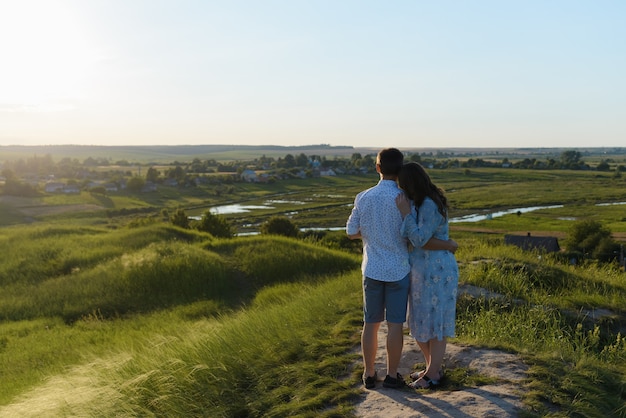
x=179 y=218
x=592 y=239
x=606 y=250
x=336 y=240
x=135 y=184
x=279 y=225
x=216 y=225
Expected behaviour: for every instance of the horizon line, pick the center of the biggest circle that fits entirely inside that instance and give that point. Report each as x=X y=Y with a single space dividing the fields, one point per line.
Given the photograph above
x=308 y=146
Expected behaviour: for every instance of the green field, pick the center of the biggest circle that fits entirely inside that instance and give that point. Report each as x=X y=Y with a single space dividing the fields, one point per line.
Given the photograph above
x=325 y=202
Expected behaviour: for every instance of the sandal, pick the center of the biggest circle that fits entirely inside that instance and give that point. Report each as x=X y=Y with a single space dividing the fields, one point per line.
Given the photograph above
x=419 y=374
x=430 y=383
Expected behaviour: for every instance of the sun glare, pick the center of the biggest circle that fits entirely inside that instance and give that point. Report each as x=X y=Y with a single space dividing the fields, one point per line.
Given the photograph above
x=45 y=56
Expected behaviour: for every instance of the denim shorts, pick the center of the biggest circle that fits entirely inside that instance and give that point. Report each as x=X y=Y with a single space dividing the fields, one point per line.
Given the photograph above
x=385 y=300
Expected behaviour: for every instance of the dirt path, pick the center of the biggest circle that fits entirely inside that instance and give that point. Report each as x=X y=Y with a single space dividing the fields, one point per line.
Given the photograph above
x=499 y=400
x=60 y=395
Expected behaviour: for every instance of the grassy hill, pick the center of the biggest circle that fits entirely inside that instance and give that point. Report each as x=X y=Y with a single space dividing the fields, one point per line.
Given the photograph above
x=160 y=321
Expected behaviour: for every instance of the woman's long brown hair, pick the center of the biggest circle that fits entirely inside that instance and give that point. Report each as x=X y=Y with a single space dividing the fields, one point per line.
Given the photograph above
x=416 y=183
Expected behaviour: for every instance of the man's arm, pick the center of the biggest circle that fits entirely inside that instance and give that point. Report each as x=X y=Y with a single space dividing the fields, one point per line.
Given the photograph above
x=433 y=243
x=438 y=244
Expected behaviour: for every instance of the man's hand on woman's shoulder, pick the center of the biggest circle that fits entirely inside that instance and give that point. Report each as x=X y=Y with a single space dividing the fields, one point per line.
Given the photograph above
x=403 y=204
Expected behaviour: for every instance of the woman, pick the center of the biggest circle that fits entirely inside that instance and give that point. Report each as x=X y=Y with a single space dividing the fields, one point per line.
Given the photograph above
x=434 y=273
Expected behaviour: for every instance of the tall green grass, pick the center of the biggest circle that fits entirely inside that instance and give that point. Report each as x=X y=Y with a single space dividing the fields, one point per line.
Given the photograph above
x=157 y=276
x=573 y=371
x=545 y=278
x=274 y=259
x=49 y=317
x=287 y=354
x=35 y=254
x=71 y=273
x=159 y=321
x=279 y=359
x=544 y=313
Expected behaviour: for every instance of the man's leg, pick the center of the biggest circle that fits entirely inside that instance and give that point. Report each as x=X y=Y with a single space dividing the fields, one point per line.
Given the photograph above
x=373 y=314
x=396 y=295
x=395 y=340
x=369 y=345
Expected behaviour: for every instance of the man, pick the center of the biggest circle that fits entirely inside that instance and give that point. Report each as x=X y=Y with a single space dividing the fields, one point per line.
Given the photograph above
x=376 y=220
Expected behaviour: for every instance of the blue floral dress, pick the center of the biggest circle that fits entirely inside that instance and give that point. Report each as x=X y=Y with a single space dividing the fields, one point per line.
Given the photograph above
x=434 y=276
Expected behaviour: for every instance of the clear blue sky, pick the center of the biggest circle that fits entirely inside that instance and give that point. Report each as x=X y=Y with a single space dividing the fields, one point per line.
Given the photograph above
x=421 y=73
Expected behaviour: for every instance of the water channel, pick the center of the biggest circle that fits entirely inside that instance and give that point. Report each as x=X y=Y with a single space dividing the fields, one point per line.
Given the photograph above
x=491 y=215
x=241 y=208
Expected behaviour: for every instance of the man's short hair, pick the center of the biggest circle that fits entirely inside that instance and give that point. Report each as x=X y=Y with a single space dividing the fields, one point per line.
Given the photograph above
x=390 y=161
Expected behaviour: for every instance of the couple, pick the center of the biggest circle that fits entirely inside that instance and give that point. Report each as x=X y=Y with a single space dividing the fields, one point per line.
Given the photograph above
x=384 y=218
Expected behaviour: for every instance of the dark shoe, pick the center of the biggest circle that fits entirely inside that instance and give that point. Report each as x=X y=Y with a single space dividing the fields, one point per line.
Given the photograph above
x=425 y=382
x=370 y=381
x=394 y=383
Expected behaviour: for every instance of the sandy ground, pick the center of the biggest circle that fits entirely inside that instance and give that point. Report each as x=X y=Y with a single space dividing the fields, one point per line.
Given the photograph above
x=498 y=400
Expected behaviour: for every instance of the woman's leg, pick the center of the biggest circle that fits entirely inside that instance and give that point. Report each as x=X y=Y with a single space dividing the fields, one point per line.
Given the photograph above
x=430 y=378
x=425 y=347
x=437 y=349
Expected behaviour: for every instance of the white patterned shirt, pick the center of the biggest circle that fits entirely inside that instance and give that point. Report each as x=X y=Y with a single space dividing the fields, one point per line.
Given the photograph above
x=376 y=216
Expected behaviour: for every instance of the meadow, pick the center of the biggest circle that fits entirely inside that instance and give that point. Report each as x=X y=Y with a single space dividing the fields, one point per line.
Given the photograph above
x=105 y=316
x=325 y=202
